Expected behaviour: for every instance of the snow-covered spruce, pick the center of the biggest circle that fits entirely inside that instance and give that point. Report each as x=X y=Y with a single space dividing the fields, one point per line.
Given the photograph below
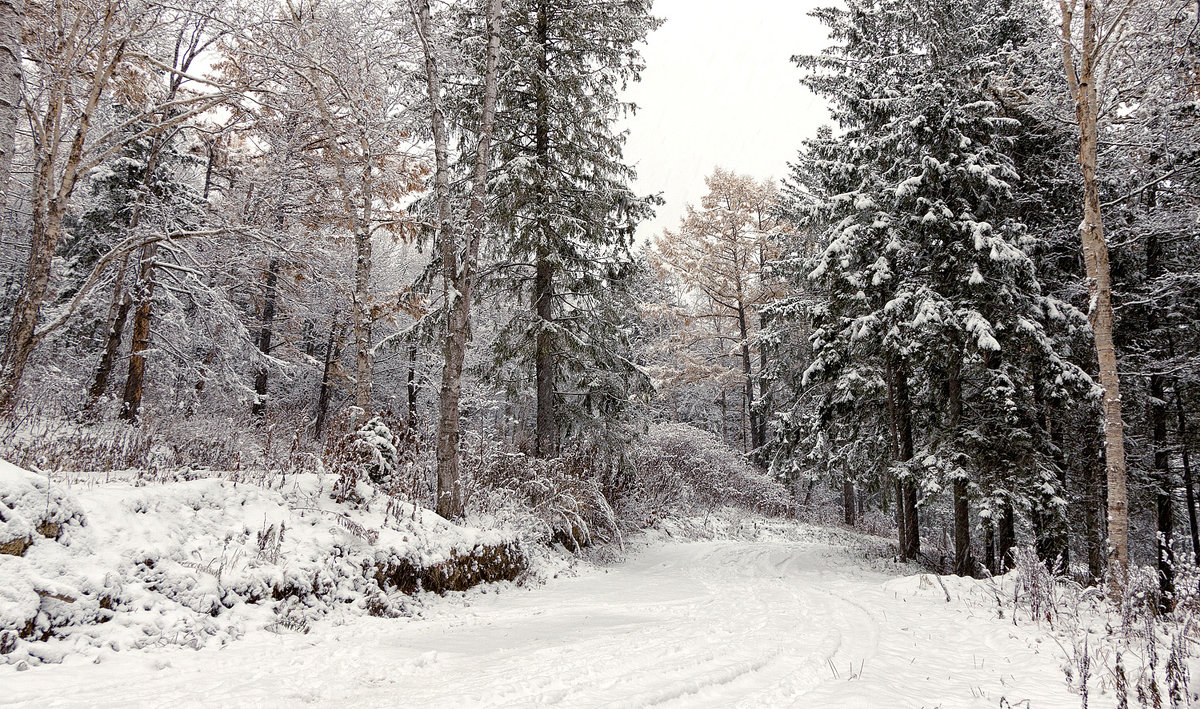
x=108 y=566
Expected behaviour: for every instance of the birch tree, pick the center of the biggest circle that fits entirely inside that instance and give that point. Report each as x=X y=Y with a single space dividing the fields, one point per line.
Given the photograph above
x=1089 y=44
x=459 y=247
x=12 y=20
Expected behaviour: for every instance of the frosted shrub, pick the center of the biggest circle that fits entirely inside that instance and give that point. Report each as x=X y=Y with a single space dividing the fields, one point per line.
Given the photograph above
x=558 y=499
x=370 y=451
x=680 y=466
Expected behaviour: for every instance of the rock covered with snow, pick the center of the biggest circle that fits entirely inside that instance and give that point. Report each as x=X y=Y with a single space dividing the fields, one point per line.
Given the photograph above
x=32 y=508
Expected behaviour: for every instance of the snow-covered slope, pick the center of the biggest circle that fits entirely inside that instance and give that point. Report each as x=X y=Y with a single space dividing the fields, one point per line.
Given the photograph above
x=709 y=624
x=109 y=565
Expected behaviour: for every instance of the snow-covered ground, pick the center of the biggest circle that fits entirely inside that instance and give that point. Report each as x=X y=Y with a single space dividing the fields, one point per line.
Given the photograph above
x=678 y=624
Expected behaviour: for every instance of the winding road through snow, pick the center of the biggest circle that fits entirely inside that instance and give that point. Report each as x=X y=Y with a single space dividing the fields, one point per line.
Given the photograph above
x=711 y=624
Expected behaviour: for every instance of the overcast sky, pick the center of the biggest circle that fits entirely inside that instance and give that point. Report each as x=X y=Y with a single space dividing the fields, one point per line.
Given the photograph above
x=719 y=89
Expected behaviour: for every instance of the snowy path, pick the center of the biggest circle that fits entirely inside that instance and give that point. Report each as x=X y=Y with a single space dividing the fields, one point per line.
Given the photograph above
x=715 y=624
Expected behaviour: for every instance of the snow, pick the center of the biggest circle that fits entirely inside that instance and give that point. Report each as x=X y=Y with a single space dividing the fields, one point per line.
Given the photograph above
x=783 y=616
x=199 y=563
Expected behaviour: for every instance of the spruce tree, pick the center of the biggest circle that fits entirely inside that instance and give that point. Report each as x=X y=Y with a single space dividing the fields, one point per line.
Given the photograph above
x=563 y=201
x=933 y=319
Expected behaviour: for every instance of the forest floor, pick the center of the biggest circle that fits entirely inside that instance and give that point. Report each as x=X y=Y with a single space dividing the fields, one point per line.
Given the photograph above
x=808 y=618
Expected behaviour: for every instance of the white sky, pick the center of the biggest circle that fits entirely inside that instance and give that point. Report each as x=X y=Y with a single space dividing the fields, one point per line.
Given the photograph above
x=720 y=89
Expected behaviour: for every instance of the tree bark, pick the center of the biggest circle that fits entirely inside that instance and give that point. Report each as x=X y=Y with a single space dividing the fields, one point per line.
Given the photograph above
x=412 y=387
x=1006 y=537
x=363 y=321
x=49 y=198
x=1165 y=552
x=1164 y=483
x=912 y=534
x=458 y=277
x=963 y=564
x=12 y=17
x=765 y=399
x=748 y=373
x=1092 y=515
x=543 y=285
x=901 y=520
x=1082 y=80
x=333 y=352
x=1181 y=434
x=266 y=325
x=989 y=547
x=546 y=435
x=894 y=448
x=131 y=400
x=848 y=501
x=47 y=229
x=118 y=313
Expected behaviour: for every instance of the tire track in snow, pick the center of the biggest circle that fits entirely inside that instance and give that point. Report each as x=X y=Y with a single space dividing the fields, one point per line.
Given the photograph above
x=720 y=624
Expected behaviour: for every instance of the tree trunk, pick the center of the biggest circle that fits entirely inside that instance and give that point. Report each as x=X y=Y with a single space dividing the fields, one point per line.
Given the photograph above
x=724 y=417
x=1164 y=485
x=118 y=313
x=47 y=228
x=131 y=401
x=412 y=387
x=1092 y=516
x=764 y=392
x=989 y=547
x=457 y=278
x=1181 y=434
x=894 y=449
x=48 y=199
x=963 y=564
x=546 y=438
x=912 y=534
x=333 y=352
x=1051 y=537
x=266 y=324
x=1006 y=537
x=848 y=501
x=12 y=17
x=1083 y=85
x=747 y=372
x=543 y=285
x=363 y=321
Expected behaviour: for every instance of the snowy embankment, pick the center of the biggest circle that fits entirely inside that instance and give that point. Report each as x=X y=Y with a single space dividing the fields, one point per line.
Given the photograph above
x=768 y=614
x=107 y=566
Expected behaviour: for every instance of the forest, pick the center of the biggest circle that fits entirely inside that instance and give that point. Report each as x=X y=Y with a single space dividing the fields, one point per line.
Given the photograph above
x=376 y=266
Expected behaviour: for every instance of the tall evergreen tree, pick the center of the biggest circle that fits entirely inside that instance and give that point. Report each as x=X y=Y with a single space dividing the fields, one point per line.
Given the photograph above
x=563 y=201
x=932 y=308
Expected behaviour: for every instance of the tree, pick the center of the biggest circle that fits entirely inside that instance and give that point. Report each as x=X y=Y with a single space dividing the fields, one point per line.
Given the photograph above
x=563 y=202
x=932 y=326
x=12 y=19
x=720 y=253
x=1085 y=52
x=76 y=69
x=350 y=63
x=459 y=254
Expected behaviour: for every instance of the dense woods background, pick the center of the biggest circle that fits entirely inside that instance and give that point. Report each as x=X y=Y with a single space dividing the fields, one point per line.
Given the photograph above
x=236 y=233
